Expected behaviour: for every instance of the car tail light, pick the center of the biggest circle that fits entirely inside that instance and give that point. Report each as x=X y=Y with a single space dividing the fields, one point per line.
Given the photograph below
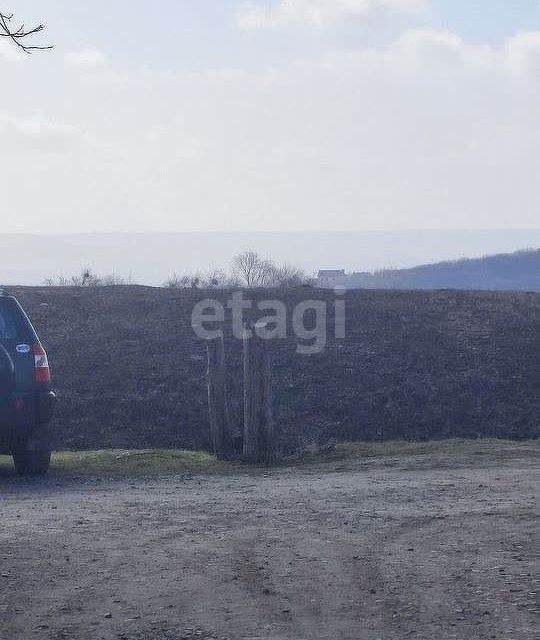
x=43 y=373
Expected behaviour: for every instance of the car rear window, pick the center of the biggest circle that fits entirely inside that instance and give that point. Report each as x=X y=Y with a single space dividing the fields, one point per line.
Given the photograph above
x=12 y=326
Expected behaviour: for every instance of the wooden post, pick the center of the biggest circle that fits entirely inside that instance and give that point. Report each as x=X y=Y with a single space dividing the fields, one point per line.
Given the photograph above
x=259 y=430
x=220 y=424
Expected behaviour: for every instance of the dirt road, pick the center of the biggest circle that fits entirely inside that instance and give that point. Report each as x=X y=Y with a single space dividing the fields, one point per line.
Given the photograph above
x=411 y=547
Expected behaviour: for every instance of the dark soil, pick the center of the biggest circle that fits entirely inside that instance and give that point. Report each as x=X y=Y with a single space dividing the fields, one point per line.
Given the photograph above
x=416 y=365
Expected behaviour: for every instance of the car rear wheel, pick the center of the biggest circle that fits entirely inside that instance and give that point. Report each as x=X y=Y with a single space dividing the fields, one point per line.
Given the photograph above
x=31 y=461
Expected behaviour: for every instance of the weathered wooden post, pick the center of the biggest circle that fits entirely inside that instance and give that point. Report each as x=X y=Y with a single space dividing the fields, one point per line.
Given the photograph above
x=259 y=429
x=220 y=423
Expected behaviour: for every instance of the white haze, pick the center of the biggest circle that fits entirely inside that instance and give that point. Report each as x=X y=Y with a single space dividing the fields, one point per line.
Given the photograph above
x=423 y=129
x=153 y=258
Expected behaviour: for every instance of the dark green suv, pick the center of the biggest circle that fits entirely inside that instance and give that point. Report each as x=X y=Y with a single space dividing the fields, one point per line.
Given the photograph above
x=26 y=397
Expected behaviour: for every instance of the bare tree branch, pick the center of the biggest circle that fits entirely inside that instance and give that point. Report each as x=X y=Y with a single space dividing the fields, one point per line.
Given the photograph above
x=252 y=269
x=17 y=34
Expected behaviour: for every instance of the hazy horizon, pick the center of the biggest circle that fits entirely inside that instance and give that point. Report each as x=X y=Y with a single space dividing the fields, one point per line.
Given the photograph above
x=151 y=258
x=271 y=231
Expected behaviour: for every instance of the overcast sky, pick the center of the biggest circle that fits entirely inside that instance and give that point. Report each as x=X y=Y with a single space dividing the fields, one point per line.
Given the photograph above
x=275 y=115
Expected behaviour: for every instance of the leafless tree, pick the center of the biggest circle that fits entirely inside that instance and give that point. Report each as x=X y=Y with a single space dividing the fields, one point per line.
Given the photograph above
x=178 y=282
x=249 y=270
x=215 y=279
x=252 y=269
x=287 y=276
x=187 y=281
x=18 y=34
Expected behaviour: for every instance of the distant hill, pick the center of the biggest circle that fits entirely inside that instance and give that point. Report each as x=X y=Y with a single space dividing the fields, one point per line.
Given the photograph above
x=518 y=271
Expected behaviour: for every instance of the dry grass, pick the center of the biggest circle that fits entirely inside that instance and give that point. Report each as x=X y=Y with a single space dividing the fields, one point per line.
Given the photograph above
x=160 y=462
x=150 y=462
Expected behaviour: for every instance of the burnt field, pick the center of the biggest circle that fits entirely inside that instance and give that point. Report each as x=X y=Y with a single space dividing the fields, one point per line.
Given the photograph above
x=130 y=372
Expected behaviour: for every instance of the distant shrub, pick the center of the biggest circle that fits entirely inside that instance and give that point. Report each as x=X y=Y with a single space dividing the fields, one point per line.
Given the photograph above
x=88 y=279
x=216 y=279
x=249 y=270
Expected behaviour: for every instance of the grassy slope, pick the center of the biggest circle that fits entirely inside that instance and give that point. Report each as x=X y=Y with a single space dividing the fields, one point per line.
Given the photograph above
x=154 y=463
x=415 y=365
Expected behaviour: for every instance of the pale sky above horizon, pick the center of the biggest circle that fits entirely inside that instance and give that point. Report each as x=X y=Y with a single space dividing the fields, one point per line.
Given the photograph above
x=274 y=115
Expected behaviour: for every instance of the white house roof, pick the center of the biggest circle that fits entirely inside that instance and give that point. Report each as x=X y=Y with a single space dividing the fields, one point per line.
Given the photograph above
x=331 y=273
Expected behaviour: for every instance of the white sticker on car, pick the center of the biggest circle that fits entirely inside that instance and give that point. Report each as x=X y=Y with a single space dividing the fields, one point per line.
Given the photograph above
x=23 y=348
